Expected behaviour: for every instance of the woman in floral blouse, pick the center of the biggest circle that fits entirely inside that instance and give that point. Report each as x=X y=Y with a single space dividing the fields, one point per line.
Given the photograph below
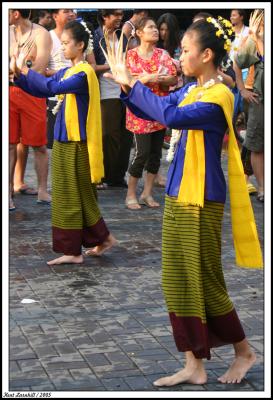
x=158 y=72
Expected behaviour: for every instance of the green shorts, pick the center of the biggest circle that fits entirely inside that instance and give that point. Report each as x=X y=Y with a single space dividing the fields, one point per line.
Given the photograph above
x=254 y=139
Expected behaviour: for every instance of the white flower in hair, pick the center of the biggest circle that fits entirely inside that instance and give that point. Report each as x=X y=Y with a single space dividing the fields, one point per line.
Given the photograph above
x=90 y=41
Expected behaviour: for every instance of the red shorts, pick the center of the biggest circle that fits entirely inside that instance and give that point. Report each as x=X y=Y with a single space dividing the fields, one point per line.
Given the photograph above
x=27 y=118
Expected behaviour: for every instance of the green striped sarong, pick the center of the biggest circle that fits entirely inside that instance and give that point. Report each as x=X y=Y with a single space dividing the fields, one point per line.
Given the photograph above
x=201 y=312
x=76 y=218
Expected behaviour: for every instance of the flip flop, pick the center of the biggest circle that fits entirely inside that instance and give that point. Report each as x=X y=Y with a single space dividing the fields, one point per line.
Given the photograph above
x=132 y=202
x=28 y=191
x=147 y=201
x=45 y=202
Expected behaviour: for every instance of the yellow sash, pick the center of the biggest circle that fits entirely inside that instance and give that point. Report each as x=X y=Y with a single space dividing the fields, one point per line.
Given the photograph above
x=93 y=123
x=246 y=243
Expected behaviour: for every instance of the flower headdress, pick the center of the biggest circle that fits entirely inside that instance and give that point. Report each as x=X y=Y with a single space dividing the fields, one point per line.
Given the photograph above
x=90 y=40
x=224 y=28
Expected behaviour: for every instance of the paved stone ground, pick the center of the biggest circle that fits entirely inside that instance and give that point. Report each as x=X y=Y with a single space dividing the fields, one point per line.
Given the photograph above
x=103 y=325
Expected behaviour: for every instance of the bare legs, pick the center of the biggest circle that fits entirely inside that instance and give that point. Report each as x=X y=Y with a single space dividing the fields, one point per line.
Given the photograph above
x=12 y=162
x=257 y=163
x=131 y=199
x=194 y=372
x=244 y=359
x=20 y=167
x=66 y=260
x=95 y=251
x=100 y=249
x=41 y=167
x=145 y=197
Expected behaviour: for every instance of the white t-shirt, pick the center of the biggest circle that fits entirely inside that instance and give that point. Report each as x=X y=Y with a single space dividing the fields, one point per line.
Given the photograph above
x=235 y=45
x=57 y=60
x=108 y=88
x=238 y=41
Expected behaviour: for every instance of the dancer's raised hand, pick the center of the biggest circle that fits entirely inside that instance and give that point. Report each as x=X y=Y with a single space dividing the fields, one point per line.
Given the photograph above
x=256 y=24
x=121 y=75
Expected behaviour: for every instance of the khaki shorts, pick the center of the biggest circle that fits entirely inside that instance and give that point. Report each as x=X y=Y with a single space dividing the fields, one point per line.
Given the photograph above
x=254 y=140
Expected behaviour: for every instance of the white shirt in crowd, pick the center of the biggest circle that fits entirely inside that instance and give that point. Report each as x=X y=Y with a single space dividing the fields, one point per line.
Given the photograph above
x=235 y=45
x=57 y=60
x=108 y=88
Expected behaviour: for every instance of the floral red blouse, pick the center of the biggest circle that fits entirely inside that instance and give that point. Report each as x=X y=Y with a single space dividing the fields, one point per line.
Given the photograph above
x=138 y=65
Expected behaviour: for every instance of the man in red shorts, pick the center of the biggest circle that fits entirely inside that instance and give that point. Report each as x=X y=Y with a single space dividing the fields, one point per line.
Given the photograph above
x=27 y=114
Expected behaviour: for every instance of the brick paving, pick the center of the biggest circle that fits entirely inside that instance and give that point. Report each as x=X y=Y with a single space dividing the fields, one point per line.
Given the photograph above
x=103 y=325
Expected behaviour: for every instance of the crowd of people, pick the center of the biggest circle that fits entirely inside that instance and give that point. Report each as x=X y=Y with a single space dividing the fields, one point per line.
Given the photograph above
x=102 y=100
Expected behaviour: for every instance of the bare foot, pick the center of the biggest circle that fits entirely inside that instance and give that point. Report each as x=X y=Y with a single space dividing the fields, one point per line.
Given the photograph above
x=160 y=181
x=66 y=260
x=197 y=376
x=238 y=368
x=148 y=201
x=100 y=249
x=43 y=196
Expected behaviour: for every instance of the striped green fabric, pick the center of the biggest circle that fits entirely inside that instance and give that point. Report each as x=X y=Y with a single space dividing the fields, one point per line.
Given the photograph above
x=74 y=197
x=192 y=276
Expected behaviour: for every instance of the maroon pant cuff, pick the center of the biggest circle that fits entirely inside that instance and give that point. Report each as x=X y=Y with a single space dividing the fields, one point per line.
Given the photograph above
x=191 y=334
x=70 y=241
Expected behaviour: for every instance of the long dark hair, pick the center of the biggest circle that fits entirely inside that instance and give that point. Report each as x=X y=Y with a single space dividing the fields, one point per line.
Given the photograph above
x=208 y=39
x=78 y=32
x=173 y=39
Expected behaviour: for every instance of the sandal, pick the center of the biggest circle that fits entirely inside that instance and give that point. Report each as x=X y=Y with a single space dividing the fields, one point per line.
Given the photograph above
x=147 y=201
x=28 y=191
x=134 y=203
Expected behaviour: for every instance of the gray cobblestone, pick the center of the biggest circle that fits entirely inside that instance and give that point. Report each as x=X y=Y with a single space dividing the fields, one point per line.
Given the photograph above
x=115 y=384
x=138 y=383
x=96 y=360
x=103 y=325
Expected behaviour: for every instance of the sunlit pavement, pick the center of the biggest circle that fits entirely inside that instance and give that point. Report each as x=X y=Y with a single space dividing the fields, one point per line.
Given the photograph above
x=103 y=325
